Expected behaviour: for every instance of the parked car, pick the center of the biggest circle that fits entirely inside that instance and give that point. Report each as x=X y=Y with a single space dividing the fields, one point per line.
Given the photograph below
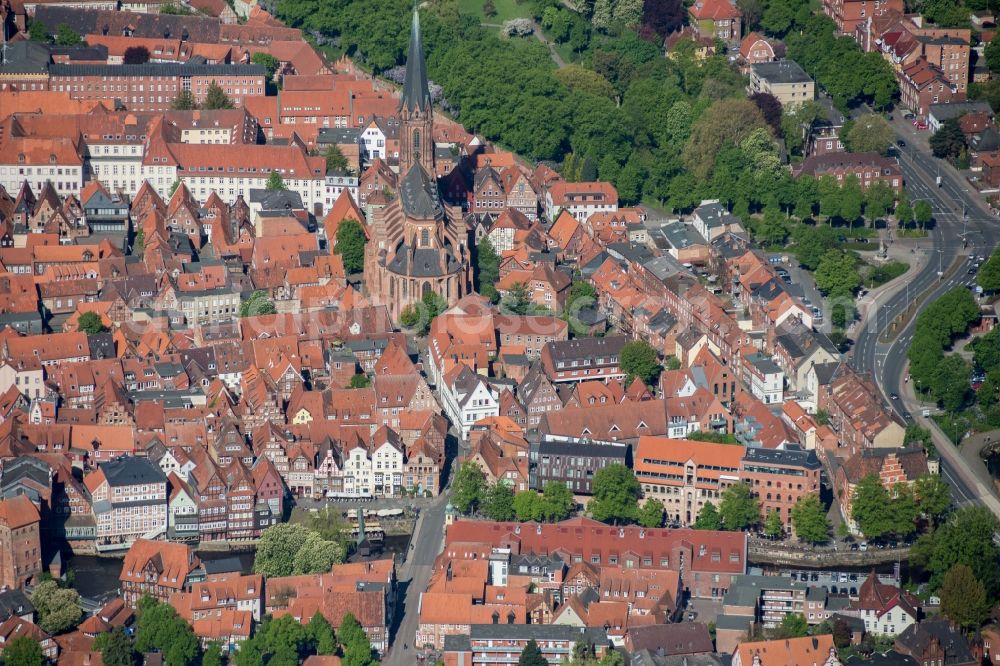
x=817 y=313
x=863 y=547
x=909 y=115
x=901 y=143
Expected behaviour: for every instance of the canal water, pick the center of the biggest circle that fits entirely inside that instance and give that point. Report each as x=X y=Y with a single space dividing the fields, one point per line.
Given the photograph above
x=97 y=577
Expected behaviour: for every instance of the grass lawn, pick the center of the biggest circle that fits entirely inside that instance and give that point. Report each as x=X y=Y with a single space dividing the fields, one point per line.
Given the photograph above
x=506 y=10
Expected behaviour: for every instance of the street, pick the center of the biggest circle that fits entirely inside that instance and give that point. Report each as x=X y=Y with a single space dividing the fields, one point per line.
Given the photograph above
x=414 y=574
x=959 y=217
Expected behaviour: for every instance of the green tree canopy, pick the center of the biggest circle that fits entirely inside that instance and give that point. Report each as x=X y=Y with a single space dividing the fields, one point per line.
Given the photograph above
x=275 y=182
x=267 y=61
x=215 y=98
x=469 y=487
x=257 y=304
x=963 y=598
x=989 y=272
x=184 y=101
x=967 y=537
x=531 y=655
x=949 y=140
x=67 y=36
x=288 y=549
x=38 y=32
x=335 y=160
x=90 y=323
x=160 y=628
x=557 y=501
x=773 y=526
x=871 y=133
x=708 y=518
x=738 y=508
x=117 y=649
x=810 y=521
x=615 y=494
x=528 y=505
x=350 y=245
x=58 y=608
x=651 y=513
x=23 y=651
x=837 y=274
x=498 y=502
x=639 y=359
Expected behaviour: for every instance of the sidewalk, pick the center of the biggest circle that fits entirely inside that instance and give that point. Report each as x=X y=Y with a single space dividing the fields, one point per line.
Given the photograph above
x=975 y=476
x=898 y=251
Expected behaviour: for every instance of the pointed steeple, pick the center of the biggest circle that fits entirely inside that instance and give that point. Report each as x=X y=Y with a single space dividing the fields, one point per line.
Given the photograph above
x=416 y=93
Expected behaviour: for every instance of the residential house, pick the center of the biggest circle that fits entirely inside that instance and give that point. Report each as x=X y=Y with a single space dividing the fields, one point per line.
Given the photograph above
x=780 y=478
x=818 y=650
x=159 y=569
x=130 y=501
x=892 y=467
x=583 y=359
x=868 y=168
x=467 y=398
x=784 y=80
x=717 y=19
x=886 y=610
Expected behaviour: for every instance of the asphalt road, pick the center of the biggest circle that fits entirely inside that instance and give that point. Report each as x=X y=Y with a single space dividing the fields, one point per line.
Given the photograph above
x=415 y=573
x=958 y=214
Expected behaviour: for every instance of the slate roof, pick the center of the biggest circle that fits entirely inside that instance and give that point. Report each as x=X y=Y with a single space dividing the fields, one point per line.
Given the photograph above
x=416 y=93
x=419 y=194
x=781 y=71
x=14 y=602
x=276 y=199
x=129 y=470
x=806 y=459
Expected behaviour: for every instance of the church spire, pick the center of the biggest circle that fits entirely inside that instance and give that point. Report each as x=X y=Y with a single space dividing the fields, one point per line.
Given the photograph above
x=416 y=93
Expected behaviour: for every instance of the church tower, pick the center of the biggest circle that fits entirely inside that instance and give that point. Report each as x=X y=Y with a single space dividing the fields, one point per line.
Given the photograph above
x=416 y=113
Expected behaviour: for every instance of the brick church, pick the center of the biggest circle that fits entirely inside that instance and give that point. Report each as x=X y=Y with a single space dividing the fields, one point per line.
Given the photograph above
x=418 y=245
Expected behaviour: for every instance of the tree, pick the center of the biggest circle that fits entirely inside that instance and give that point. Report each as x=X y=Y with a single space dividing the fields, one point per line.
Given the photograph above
x=488 y=263
x=923 y=213
x=257 y=304
x=469 y=487
x=215 y=98
x=810 y=521
x=268 y=62
x=651 y=514
x=517 y=300
x=989 y=272
x=773 y=527
x=67 y=36
x=639 y=359
x=184 y=101
x=212 y=655
x=793 y=625
x=90 y=323
x=350 y=245
x=663 y=16
x=963 y=598
x=615 y=494
x=557 y=501
x=531 y=655
x=837 y=275
x=321 y=635
x=498 y=502
x=135 y=55
x=904 y=212
x=708 y=518
x=356 y=648
x=38 y=32
x=738 y=508
x=967 y=537
x=58 y=608
x=871 y=133
x=770 y=108
x=933 y=496
x=870 y=507
x=992 y=55
x=23 y=651
x=528 y=505
x=160 y=628
x=277 y=548
x=360 y=381
x=335 y=160
x=275 y=182
x=117 y=649
x=317 y=555
x=949 y=140
x=727 y=121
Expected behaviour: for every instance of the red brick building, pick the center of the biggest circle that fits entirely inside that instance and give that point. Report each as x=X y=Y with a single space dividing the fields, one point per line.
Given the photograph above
x=922 y=83
x=848 y=14
x=868 y=167
x=20 y=548
x=891 y=466
x=780 y=478
x=709 y=560
x=154 y=86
